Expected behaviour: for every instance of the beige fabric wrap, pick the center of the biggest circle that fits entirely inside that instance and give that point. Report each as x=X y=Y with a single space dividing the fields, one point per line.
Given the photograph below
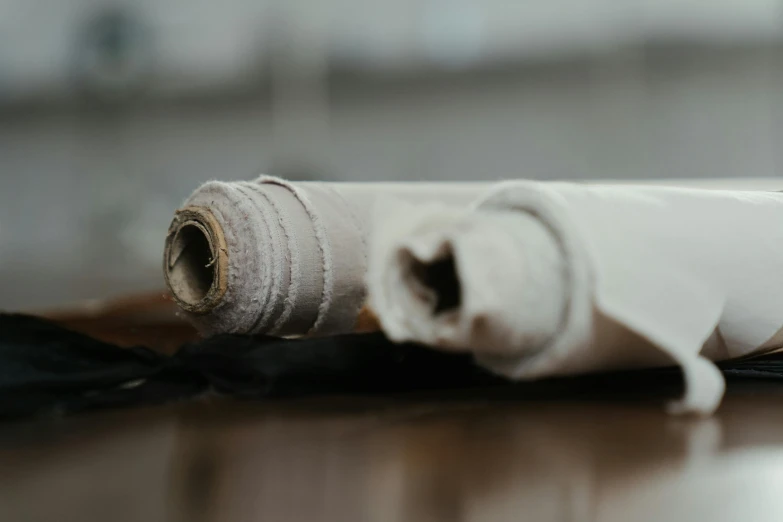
x=294 y=253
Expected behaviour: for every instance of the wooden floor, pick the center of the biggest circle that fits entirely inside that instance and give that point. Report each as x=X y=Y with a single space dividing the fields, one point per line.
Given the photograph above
x=471 y=458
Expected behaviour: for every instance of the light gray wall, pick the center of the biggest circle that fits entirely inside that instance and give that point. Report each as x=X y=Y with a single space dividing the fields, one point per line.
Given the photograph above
x=87 y=191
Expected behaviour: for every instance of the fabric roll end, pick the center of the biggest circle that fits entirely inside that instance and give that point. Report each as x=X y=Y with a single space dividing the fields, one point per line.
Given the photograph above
x=484 y=282
x=195 y=260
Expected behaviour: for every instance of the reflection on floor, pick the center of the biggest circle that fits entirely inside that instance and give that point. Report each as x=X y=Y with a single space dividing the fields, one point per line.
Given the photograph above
x=476 y=458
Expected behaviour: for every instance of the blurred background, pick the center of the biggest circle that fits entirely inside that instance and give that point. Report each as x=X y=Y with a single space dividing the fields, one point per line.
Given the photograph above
x=112 y=111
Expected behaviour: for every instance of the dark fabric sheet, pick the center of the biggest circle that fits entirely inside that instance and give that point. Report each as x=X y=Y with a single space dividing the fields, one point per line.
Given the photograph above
x=46 y=369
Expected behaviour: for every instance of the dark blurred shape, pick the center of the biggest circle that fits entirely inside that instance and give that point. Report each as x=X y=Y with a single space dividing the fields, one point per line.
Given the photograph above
x=50 y=370
x=113 y=55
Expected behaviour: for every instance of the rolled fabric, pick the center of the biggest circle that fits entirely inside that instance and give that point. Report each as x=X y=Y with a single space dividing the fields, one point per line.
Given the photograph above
x=543 y=279
x=289 y=258
x=271 y=256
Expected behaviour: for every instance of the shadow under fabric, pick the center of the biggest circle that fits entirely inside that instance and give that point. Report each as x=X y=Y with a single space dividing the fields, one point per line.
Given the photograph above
x=47 y=370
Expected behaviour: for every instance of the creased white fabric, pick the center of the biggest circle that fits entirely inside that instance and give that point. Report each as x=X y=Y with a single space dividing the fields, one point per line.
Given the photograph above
x=641 y=276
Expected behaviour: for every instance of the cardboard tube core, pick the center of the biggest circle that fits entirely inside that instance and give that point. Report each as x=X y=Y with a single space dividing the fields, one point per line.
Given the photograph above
x=438 y=281
x=196 y=260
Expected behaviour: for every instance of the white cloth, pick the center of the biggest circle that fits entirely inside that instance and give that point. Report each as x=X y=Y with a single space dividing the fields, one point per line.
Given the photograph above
x=639 y=276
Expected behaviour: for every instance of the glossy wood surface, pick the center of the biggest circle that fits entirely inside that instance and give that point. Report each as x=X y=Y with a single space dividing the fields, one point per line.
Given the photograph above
x=466 y=457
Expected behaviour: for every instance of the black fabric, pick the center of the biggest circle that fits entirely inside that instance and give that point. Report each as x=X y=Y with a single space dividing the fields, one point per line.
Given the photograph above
x=46 y=369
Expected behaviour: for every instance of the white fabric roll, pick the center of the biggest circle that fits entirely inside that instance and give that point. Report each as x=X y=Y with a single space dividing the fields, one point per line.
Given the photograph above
x=296 y=252
x=289 y=258
x=641 y=276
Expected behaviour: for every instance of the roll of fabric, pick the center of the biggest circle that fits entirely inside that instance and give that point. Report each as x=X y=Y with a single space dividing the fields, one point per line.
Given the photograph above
x=287 y=258
x=544 y=279
x=271 y=256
